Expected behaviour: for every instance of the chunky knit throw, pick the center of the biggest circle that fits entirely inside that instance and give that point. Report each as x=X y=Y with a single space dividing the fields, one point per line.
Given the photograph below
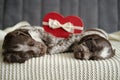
x=62 y=66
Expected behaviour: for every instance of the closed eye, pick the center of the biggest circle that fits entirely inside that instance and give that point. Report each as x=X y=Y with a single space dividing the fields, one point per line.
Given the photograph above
x=31 y=44
x=15 y=46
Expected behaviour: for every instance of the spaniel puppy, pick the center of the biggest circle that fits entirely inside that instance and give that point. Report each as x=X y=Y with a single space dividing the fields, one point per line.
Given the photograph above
x=19 y=46
x=93 y=46
x=27 y=42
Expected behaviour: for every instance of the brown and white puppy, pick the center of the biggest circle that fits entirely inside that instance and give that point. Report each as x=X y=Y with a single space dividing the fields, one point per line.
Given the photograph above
x=93 y=46
x=27 y=42
x=18 y=46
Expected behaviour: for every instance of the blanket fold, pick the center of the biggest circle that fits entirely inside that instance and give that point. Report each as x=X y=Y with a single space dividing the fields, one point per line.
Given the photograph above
x=62 y=66
x=113 y=36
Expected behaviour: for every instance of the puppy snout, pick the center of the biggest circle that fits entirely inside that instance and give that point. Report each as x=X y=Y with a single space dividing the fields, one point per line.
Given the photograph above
x=77 y=55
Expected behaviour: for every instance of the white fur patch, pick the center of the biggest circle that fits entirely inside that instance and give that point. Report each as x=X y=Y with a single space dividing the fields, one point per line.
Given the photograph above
x=104 y=53
x=25 y=48
x=34 y=33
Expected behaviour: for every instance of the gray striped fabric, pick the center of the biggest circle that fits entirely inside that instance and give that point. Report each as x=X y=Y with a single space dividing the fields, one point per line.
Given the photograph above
x=102 y=14
x=63 y=67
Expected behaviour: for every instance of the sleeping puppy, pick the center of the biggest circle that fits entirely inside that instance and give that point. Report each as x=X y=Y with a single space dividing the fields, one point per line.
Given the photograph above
x=93 y=46
x=19 y=46
x=28 y=42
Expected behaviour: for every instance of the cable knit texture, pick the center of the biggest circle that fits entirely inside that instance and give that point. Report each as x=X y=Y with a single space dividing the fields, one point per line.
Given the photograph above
x=63 y=67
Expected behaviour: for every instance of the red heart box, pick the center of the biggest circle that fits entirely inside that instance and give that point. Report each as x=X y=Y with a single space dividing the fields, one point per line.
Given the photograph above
x=60 y=32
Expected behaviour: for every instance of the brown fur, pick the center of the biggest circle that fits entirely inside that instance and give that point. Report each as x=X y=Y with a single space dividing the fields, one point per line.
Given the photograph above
x=90 y=47
x=20 y=36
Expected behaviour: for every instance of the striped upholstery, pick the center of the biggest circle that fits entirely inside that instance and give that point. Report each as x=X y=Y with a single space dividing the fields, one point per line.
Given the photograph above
x=63 y=67
x=102 y=14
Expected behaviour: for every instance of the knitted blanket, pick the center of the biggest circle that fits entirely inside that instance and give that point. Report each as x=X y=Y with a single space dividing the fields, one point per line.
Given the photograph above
x=62 y=66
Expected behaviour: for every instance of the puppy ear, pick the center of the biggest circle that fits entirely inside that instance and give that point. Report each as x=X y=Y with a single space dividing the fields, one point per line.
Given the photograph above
x=92 y=45
x=6 y=40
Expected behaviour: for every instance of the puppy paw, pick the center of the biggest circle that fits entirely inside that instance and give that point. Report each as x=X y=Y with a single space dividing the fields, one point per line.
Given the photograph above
x=14 y=58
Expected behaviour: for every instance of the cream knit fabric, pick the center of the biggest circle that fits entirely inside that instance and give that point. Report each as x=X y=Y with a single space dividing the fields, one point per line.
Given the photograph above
x=63 y=67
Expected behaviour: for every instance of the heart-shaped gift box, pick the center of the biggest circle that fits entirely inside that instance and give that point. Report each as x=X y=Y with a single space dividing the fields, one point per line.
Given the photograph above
x=60 y=26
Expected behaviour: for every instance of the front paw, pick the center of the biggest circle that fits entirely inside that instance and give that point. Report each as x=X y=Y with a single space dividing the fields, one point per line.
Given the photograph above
x=14 y=58
x=77 y=55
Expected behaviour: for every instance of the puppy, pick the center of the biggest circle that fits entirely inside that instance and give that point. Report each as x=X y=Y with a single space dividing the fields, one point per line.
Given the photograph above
x=28 y=42
x=93 y=47
x=19 y=46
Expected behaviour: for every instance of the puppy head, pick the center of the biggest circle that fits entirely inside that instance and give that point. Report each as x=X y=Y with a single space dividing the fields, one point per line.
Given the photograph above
x=99 y=47
x=81 y=52
x=18 y=46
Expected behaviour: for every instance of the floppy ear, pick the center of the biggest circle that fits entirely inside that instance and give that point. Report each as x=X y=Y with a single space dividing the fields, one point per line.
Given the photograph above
x=92 y=45
x=7 y=39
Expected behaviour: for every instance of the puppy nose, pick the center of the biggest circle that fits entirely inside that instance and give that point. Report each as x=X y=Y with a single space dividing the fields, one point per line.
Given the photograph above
x=77 y=55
